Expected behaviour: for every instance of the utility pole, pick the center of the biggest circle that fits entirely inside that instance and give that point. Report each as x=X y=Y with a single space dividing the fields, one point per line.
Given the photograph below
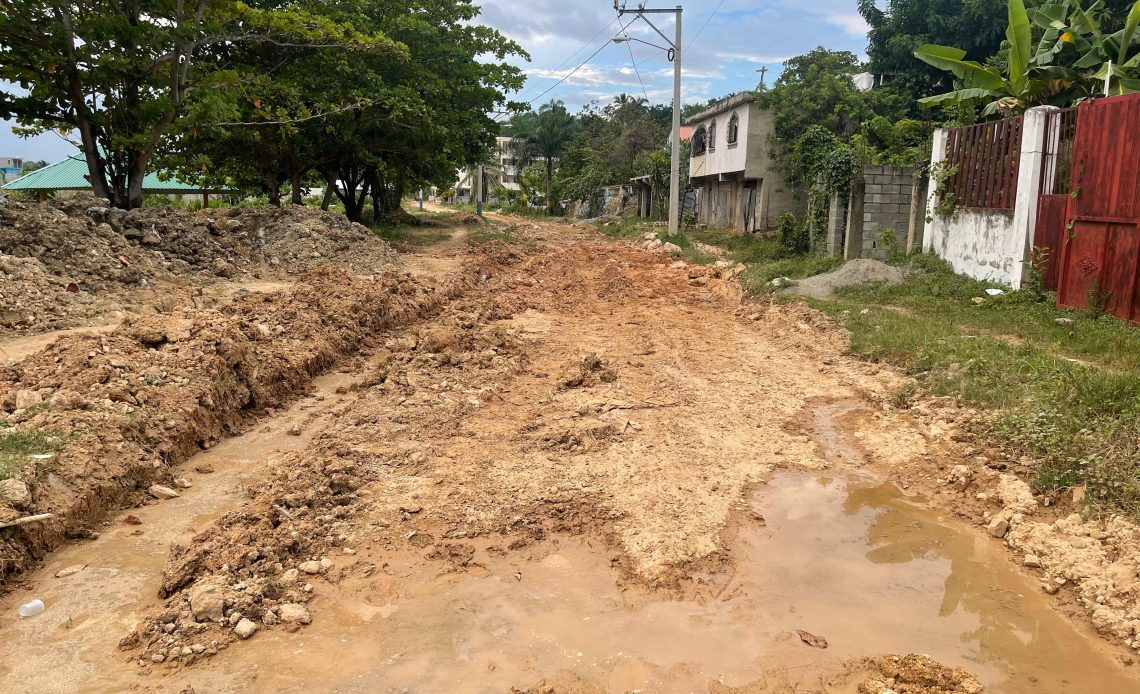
x=674 y=52
x=763 y=73
x=479 y=194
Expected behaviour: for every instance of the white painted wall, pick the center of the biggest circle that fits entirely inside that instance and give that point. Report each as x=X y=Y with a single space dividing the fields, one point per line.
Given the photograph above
x=723 y=159
x=980 y=244
x=983 y=244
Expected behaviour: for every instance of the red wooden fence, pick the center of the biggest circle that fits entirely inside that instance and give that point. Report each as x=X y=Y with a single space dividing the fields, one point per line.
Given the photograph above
x=986 y=157
x=1100 y=260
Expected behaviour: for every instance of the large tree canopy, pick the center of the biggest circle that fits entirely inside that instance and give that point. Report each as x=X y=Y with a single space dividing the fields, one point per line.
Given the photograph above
x=123 y=74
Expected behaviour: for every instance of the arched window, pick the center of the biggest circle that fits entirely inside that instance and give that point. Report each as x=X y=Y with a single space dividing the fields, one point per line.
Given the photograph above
x=712 y=137
x=700 y=141
x=733 y=130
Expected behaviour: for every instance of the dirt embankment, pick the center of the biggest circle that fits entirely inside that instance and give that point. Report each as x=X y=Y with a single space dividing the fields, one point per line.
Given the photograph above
x=64 y=263
x=132 y=403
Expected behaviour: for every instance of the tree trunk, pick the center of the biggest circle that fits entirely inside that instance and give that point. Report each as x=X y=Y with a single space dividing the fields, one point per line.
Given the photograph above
x=550 y=186
x=135 y=176
x=330 y=189
x=296 y=197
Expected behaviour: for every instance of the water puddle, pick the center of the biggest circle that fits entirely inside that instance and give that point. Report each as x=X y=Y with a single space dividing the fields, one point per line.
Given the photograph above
x=857 y=564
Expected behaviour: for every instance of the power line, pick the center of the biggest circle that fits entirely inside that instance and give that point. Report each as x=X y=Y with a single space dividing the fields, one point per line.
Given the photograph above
x=707 y=20
x=582 y=48
x=575 y=70
x=637 y=72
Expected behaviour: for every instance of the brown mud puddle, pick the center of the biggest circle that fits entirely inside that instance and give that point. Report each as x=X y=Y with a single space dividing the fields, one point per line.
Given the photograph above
x=855 y=563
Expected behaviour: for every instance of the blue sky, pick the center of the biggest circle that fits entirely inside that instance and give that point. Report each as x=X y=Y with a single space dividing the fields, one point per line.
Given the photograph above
x=739 y=38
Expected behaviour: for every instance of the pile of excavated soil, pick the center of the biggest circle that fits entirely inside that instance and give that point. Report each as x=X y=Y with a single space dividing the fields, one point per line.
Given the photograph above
x=853 y=273
x=918 y=674
x=58 y=260
x=134 y=402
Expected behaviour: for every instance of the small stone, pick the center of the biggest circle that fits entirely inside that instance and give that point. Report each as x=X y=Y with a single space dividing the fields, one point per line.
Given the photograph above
x=348 y=550
x=27 y=398
x=998 y=527
x=310 y=567
x=182 y=483
x=1050 y=588
x=294 y=430
x=292 y=613
x=158 y=658
x=15 y=492
x=1032 y=561
x=1064 y=321
x=159 y=491
x=288 y=578
x=326 y=563
x=197 y=648
x=208 y=602
x=245 y=629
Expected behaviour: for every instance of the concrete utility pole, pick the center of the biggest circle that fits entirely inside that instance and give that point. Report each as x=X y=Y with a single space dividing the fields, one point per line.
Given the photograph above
x=479 y=193
x=674 y=52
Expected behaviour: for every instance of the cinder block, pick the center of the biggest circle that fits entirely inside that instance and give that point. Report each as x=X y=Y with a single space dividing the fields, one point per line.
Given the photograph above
x=873 y=189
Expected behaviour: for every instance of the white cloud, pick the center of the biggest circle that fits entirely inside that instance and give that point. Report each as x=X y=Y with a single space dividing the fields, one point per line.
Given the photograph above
x=850 y=22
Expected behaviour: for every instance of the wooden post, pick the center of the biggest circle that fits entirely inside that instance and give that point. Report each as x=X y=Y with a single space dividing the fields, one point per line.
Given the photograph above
x=205 y=199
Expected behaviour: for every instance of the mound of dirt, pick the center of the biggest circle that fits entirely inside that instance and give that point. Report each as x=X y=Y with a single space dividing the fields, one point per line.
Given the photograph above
x=159 y=388
x=58 y=259
x=918 y=674
x=852 y=273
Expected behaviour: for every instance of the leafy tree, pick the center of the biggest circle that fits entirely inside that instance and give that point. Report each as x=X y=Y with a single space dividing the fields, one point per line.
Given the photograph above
x=1070 y=61
x=125 y=74
x=30 y=166
x=544 y=135
x=369 y=126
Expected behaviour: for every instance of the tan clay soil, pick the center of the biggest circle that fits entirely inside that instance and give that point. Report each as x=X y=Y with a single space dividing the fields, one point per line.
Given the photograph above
x=551 y=404
x=75 y=261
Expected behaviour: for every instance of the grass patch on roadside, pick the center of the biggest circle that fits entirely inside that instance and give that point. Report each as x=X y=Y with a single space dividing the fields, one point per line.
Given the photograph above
x=413 y=235
x=1067 y=395
x=16 y=445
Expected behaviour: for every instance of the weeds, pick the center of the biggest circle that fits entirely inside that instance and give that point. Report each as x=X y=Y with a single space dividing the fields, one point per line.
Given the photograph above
x=16 y=445
x=1067 y=397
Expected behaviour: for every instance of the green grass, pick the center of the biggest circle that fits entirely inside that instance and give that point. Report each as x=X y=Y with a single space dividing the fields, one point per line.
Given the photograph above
x=413 y=235
x=16 y=445
x=1065 y=396
x=765 y=257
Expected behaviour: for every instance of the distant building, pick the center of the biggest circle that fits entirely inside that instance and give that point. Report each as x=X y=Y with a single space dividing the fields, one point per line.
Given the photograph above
x=738 y=185
x=502 y=173
x=10 y=168
x=69 y=177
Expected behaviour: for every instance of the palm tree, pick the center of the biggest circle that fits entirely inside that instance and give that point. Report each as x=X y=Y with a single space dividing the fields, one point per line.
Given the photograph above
x=543 y=135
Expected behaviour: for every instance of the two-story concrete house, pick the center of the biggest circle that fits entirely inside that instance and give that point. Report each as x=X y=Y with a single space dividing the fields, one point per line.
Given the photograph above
x=737 y=183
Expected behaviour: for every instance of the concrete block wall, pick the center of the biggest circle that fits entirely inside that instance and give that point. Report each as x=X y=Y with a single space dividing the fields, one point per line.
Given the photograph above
x=886 y=205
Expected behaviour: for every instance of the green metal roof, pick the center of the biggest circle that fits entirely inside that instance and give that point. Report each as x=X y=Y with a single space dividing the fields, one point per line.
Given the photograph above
x=70 y=174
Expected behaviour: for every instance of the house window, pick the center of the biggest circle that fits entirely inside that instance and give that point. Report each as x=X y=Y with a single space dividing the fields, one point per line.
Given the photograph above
x=733 y=130
x=700 y=142
x=712 y=137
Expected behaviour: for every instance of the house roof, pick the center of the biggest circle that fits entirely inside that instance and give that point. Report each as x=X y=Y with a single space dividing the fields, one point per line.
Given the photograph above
x=686 y=133
x=726 y=104
x=71 y=174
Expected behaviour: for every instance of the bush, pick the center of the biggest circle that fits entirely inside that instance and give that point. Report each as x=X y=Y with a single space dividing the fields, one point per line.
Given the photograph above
x=795 y=234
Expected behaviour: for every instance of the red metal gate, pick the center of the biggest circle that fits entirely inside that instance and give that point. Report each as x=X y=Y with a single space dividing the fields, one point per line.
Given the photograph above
x=1053 y=203
x=1100 y=258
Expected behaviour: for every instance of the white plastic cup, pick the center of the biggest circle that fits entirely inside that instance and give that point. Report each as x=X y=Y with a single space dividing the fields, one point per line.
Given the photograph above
x=33 y=608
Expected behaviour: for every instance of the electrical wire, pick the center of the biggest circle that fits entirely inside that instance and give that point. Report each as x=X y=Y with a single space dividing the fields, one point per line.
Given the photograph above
x=637 y=72
x=707 y=20
x=571 y=57
x=575 y=70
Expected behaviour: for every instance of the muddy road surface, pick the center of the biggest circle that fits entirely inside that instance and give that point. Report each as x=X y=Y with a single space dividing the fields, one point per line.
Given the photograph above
x=593 y=469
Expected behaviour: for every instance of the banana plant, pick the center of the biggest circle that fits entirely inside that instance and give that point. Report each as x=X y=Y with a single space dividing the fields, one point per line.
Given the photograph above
x=1072 y=59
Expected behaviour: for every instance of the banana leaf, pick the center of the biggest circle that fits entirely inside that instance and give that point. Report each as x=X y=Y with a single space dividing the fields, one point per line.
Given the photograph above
x=1130 y=26
x=1020 y=37
x=972 y=74
x=961 y=96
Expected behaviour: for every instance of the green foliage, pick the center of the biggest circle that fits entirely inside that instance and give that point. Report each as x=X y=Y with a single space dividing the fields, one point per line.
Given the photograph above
x=544 y=135
x=795 y=234
x=17 y=445
x=1070 y=61
x=126 y=76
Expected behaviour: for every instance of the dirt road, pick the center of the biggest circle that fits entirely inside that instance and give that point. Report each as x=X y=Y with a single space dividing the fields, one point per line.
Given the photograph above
x=597 y=470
